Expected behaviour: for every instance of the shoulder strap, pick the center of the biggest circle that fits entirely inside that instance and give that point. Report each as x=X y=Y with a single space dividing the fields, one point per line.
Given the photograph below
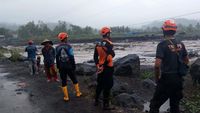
x=174 y=46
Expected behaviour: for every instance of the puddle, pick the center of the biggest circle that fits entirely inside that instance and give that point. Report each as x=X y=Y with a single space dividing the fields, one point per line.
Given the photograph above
x=14 y=97
x=9 y=85
x=163 y=109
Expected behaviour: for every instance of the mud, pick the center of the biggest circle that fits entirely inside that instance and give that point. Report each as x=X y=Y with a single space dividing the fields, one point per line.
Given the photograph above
x=24 y=93
x=13 y=98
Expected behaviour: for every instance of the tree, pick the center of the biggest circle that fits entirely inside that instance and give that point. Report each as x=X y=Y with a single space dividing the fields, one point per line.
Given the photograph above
x=29 y=30
x=190 y=28
x=43 y=29
x=88 y=30
x=5 y=32
x=61 y=27
x=197 y=26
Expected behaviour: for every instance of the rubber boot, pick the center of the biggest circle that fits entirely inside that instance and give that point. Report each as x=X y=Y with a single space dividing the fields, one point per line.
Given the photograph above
x=65 y=91
x=78 y=93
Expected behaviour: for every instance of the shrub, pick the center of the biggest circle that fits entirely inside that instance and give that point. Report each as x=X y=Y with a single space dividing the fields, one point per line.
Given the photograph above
x=15 y=56
x=192 y=103
x=146 y=74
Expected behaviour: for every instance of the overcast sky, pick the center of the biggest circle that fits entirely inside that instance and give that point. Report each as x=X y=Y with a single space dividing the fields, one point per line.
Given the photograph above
x=95 y=13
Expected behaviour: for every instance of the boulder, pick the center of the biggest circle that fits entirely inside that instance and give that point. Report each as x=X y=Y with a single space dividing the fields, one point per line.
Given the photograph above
x=149 y=84
x=89 y=61
x=119 y=88
x=85 y=69
x=92 y=82
x=129 y=100
x=193 y=53
x=128 y=66
x=194 y=72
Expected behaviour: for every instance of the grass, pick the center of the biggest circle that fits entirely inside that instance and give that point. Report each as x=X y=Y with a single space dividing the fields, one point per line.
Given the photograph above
x=192 y=103
x=147 y=74
x=1 y=54
x=2 y=51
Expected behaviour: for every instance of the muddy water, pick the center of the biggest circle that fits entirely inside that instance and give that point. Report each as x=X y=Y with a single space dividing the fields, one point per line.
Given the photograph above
x=146 y=50
x=13 y=98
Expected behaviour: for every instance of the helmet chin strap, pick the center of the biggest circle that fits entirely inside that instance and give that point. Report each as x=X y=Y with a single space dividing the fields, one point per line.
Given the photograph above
x=64 y=40
x=107 y=35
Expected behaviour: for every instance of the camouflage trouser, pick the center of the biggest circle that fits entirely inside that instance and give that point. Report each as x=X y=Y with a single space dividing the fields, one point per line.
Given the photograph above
x=32 y=66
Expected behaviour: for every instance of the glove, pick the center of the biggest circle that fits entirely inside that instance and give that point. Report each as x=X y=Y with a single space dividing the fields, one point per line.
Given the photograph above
x=99 y=69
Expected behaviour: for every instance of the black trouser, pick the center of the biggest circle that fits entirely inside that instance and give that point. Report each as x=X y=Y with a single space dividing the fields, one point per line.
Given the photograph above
x=169 y=86
x=104 y=83
x=63 y=75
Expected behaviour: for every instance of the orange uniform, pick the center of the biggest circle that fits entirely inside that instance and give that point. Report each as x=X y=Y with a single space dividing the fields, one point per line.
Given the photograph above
x=103 y=55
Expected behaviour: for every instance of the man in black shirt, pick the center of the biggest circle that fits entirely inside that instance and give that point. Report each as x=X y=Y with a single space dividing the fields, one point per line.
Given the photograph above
x=167 y=76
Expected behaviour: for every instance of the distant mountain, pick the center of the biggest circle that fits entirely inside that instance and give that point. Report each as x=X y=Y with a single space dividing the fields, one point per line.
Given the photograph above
x=183 y=21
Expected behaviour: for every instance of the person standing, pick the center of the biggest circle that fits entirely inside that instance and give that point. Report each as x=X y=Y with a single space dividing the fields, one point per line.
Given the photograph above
x=31 y=51
x=66 y=64
x=49 y=57
x=38 y=61
x=168 y=78
x=103 y=57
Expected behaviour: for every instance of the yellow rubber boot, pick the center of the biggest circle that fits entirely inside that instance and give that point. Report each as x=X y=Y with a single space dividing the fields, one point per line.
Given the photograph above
x=65 y=91
x=78 y=93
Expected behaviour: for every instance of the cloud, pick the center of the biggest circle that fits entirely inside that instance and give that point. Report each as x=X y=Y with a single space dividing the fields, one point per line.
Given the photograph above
x=95 y=13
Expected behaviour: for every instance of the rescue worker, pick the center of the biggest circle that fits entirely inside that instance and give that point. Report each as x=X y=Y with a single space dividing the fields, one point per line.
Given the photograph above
x=66 y=65
x=49 y=57
x=169 y=81
x=31 y=51
x=103 y=57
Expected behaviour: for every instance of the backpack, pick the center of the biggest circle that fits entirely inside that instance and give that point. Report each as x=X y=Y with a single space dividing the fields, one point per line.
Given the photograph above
x=183 y=68
x=64 y=59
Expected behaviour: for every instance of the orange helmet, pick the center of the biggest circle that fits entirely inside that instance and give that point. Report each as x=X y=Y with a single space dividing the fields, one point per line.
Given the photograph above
x=169 y=25
x=105 y=30
x=62 y=35
x=30 y=42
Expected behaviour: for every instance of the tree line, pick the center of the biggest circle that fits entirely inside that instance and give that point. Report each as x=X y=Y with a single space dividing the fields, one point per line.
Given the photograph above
x=41 y=30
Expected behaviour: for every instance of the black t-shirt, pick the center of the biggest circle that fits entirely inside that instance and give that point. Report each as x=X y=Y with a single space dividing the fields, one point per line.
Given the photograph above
x=166 y=52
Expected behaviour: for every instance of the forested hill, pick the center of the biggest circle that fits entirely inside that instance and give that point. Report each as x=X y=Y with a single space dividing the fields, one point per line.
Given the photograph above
x=40 y=30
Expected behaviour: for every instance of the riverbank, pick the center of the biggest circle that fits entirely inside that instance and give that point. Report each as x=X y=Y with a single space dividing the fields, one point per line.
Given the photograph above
x=48 y=97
